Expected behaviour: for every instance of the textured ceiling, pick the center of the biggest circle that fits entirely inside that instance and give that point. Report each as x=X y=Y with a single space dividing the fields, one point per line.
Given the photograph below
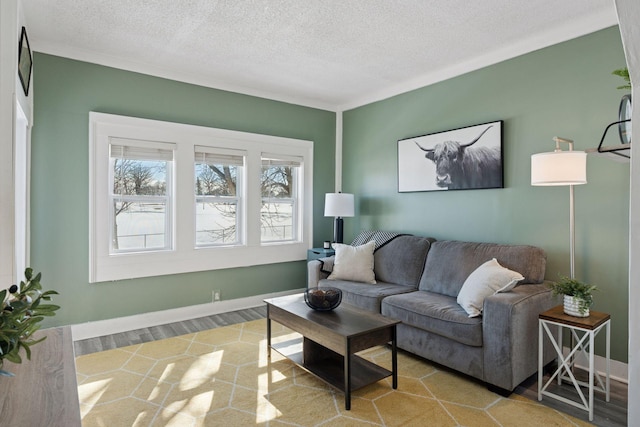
x=333 y=54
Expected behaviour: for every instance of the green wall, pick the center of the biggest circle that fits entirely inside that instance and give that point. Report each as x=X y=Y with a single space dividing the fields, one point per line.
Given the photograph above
x=65 y=91
x=565 y=90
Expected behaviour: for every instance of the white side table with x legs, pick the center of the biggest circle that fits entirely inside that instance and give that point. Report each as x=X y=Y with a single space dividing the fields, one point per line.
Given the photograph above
x=583 y=330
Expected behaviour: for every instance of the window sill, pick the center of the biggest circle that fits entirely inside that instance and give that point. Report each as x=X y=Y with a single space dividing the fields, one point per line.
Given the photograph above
x=115 y=267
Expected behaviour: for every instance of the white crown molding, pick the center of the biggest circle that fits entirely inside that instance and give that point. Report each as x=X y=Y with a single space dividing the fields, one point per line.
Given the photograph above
x=570 y=30
x=117 y=325
x=44 y=46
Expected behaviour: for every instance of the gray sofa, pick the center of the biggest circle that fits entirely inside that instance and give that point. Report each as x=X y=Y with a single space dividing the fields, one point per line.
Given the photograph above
x=418 y=280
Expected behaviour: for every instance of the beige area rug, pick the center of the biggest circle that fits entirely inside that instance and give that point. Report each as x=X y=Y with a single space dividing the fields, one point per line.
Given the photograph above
x=222 y=377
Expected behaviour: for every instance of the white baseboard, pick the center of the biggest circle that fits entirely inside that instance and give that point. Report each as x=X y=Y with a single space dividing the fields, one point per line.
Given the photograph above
x=100 y=328
x=619 y=370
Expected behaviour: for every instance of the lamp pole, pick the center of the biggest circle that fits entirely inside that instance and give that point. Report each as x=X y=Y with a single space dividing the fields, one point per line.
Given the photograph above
x=572 y=233
x=338 y=232
x=572 y=216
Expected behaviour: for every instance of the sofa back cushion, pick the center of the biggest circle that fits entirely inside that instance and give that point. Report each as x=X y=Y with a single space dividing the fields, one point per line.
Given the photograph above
x=401 y=261
x=450 y=263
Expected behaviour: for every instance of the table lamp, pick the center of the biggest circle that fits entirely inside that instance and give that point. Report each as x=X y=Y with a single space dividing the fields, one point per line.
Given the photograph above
x=338 y=205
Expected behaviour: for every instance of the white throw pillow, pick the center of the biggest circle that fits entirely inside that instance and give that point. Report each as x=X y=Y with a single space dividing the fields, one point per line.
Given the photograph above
x=354 y=263
x=488 y=279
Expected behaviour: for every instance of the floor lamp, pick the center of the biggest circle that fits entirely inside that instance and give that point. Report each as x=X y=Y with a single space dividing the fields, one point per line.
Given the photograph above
x=561 y=168
x=338 y=205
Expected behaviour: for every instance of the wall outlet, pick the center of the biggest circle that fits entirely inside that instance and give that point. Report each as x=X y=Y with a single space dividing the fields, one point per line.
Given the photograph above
x=215 y=295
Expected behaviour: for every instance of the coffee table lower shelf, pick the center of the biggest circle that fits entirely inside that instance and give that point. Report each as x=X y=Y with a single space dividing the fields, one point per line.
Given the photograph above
x=329 y=366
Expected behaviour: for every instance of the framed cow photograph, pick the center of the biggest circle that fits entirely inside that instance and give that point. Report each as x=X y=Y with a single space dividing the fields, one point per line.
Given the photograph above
x=467 y=158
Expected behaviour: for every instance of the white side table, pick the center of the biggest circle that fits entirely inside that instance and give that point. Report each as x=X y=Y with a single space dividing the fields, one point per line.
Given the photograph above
x=583 y=331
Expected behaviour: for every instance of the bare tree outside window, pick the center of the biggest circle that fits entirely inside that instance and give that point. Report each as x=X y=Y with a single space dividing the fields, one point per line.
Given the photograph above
x=277 y=181
x=139 y=204
x=216 y=204
x=278 y=189
x=216 y=180
x=245 y=199
x=217 y=199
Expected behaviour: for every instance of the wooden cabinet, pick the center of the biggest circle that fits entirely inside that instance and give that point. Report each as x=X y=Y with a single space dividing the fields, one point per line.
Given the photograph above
x=44 y=390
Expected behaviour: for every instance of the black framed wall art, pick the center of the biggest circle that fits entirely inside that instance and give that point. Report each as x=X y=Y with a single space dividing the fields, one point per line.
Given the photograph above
x=24 y=61
x=460 y=159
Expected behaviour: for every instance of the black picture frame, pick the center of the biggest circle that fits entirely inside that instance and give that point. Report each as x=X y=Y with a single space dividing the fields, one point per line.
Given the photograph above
x=466 y=158
x=25 y=61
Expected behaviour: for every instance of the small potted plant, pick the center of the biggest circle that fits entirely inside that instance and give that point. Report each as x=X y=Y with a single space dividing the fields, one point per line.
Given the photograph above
x=21 y=311
x=578 y=296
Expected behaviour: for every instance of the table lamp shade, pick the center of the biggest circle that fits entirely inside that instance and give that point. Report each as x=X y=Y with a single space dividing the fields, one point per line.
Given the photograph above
x=338 y=205
x=559 y=168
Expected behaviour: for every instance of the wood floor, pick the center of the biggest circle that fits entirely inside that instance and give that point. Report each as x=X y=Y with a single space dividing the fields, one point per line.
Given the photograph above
x=169 y=330
x=606 y=414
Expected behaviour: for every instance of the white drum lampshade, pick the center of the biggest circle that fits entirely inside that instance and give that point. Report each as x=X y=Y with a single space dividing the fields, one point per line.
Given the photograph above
x=559 y=168
x=338 y=205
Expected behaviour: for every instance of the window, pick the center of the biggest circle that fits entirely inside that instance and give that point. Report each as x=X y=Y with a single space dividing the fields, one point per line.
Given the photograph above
x=169 y=198
x=218 y=185
x=140 y=183
x=279 y=188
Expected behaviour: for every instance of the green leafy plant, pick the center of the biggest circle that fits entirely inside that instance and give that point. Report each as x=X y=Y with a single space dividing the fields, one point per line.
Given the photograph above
x=624 y=73
x=21 y=312
x=575 y=288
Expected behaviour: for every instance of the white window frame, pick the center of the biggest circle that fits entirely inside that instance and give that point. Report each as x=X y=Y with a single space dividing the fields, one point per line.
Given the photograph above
x=185 y=256
x=238 y=199
x=297 y=193
x=167 y=199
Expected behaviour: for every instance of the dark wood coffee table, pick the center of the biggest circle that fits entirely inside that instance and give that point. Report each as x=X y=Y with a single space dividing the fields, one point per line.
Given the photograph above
x=329 y=341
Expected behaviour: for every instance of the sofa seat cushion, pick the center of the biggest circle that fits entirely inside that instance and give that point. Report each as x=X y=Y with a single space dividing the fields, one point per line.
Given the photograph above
x=365 y=295
x=436 y=313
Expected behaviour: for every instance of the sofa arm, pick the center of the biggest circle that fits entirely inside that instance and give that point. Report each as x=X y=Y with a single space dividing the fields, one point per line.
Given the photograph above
x=315 y=272
x=510 y=334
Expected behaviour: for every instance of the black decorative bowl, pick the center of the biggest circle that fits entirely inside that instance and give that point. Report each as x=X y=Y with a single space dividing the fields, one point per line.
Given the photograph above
x=323 y=299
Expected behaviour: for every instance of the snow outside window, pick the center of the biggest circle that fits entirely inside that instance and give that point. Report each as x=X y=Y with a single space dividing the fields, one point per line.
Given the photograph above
x=279 y=187
x=141 y=197
x=218 y=186
x=169 y=198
